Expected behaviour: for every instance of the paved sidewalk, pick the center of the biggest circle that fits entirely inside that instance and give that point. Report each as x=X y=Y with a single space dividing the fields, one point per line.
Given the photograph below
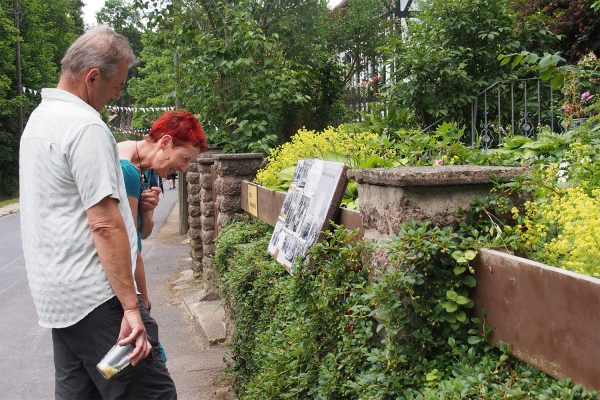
x=9 y=209
x=195 y=364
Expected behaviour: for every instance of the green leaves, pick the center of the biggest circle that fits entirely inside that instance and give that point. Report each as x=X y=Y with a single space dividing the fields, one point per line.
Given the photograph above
x=451 y=52
x=343 y=328
x=456 y=298
x=463 y=257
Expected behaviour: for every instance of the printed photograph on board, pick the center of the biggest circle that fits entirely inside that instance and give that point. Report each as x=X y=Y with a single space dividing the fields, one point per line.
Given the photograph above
x=307 y=208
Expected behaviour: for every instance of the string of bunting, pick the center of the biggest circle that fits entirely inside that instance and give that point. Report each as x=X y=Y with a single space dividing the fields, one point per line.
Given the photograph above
x=113 y=109
x=134 y=132
x=142 y=109
x=30 y=91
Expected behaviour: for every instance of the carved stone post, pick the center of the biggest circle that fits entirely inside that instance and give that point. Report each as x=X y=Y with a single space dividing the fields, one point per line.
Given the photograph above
x=207 y=210
x=231 y=169
x=220 y=189
x=194 y=212
x=195 y=179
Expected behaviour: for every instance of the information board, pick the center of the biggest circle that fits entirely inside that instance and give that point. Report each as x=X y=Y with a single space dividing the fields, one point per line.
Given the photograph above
x=310 y=203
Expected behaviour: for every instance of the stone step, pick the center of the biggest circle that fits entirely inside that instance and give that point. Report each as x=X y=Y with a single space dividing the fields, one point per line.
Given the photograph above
x=209 y=315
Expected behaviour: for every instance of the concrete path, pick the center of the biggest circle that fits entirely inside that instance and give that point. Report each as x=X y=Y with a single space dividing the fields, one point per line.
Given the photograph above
x=9 y=209
x=194 y=363
x=26 y=361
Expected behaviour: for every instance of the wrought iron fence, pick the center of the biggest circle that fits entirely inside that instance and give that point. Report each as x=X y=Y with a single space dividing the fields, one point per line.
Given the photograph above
x=515 y=107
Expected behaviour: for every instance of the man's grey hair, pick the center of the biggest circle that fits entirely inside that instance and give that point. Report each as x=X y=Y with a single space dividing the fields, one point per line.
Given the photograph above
x=100 y=47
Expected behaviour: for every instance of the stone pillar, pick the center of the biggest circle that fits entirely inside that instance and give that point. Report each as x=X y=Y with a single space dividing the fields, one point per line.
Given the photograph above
x=390 y=197
x=194 y=211
x=195 y=169
x=207 y=209
x=220 y=181
x=231 y=169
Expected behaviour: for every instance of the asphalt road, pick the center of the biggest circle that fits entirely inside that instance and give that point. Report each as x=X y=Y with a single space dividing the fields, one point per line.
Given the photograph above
x=26 y=361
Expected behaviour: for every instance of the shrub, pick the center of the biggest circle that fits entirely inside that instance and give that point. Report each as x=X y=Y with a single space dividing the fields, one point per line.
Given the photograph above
x=366 y=149
x=312 y=144
x=340 y=329
x=563 y=230
x=450 y=54
x=559 y=224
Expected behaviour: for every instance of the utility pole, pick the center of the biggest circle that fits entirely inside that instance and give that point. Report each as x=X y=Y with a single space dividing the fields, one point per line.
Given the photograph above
x=17 y=14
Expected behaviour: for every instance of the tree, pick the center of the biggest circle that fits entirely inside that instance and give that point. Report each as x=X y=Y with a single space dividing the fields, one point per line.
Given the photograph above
x=125 y=19
x=249 y=84
x=154 y=82
x=450 y=54
x=46 y=30
x=359 y=30
x=8 y=105
x=577 y=21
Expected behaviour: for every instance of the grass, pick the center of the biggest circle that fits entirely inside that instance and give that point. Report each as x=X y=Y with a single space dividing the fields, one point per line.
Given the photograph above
x=8 y=201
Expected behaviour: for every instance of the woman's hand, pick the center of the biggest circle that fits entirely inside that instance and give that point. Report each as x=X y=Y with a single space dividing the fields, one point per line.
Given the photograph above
x=150 y=199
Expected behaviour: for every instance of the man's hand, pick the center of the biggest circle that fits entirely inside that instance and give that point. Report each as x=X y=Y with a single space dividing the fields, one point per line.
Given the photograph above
x=133 y=331
x=149 y=199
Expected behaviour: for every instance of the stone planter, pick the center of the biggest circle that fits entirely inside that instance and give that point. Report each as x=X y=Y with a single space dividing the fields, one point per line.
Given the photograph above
x=390 y=197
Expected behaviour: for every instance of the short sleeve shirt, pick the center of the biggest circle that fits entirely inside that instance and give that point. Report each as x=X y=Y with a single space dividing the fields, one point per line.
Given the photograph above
x=68 y=163
x=133 y=187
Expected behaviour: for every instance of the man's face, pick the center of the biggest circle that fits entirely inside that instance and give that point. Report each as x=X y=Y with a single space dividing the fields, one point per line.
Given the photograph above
x=108 y=88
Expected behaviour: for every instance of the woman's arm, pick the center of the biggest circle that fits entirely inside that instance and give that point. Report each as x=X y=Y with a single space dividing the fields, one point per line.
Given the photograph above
x=147 y=224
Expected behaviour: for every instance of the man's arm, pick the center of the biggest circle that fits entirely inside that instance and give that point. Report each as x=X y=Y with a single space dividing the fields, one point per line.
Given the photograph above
x=112 y=245
x=140 y=280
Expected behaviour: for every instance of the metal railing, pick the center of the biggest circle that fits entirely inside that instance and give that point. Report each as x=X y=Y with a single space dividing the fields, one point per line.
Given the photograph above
x=508 y=108
x=515 y=107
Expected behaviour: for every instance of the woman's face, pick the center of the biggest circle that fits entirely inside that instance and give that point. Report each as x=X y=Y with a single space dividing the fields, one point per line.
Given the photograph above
x=174 y=158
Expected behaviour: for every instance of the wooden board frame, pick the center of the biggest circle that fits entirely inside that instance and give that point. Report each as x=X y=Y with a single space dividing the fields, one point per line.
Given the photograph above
x=270 y=202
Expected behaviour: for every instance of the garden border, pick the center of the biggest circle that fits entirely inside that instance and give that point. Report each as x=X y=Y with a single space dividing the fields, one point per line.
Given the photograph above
x=550 y=317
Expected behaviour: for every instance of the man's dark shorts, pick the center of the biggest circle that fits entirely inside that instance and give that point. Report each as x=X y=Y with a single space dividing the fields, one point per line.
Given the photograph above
x=78 y=348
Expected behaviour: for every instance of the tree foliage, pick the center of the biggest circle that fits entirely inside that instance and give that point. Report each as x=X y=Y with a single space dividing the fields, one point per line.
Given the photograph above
x=576 y=21
x=450 y=54
x=254 y=71
x=125 y=19
x=47 y=28
x=358 y=31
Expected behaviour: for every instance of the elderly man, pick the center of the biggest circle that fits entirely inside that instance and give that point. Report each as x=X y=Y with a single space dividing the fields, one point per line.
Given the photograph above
x=79 y=239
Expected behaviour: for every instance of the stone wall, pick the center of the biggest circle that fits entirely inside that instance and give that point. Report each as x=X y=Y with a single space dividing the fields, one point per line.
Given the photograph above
x=231 y=169
x=390 y=197
x=214 y=197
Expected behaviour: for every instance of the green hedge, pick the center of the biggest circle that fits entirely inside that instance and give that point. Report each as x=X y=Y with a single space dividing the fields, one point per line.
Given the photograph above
x=330 y=332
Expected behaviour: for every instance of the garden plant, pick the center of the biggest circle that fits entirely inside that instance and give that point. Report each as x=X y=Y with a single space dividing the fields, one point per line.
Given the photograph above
x=356 y=322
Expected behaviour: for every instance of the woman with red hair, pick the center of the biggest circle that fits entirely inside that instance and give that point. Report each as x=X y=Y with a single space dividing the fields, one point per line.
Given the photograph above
x=175 y=139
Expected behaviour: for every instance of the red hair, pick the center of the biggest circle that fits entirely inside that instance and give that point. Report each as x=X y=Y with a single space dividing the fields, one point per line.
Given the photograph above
x=182 y=126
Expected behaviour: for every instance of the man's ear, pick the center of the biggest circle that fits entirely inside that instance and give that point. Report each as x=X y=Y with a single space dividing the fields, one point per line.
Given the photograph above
x=92 y=76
